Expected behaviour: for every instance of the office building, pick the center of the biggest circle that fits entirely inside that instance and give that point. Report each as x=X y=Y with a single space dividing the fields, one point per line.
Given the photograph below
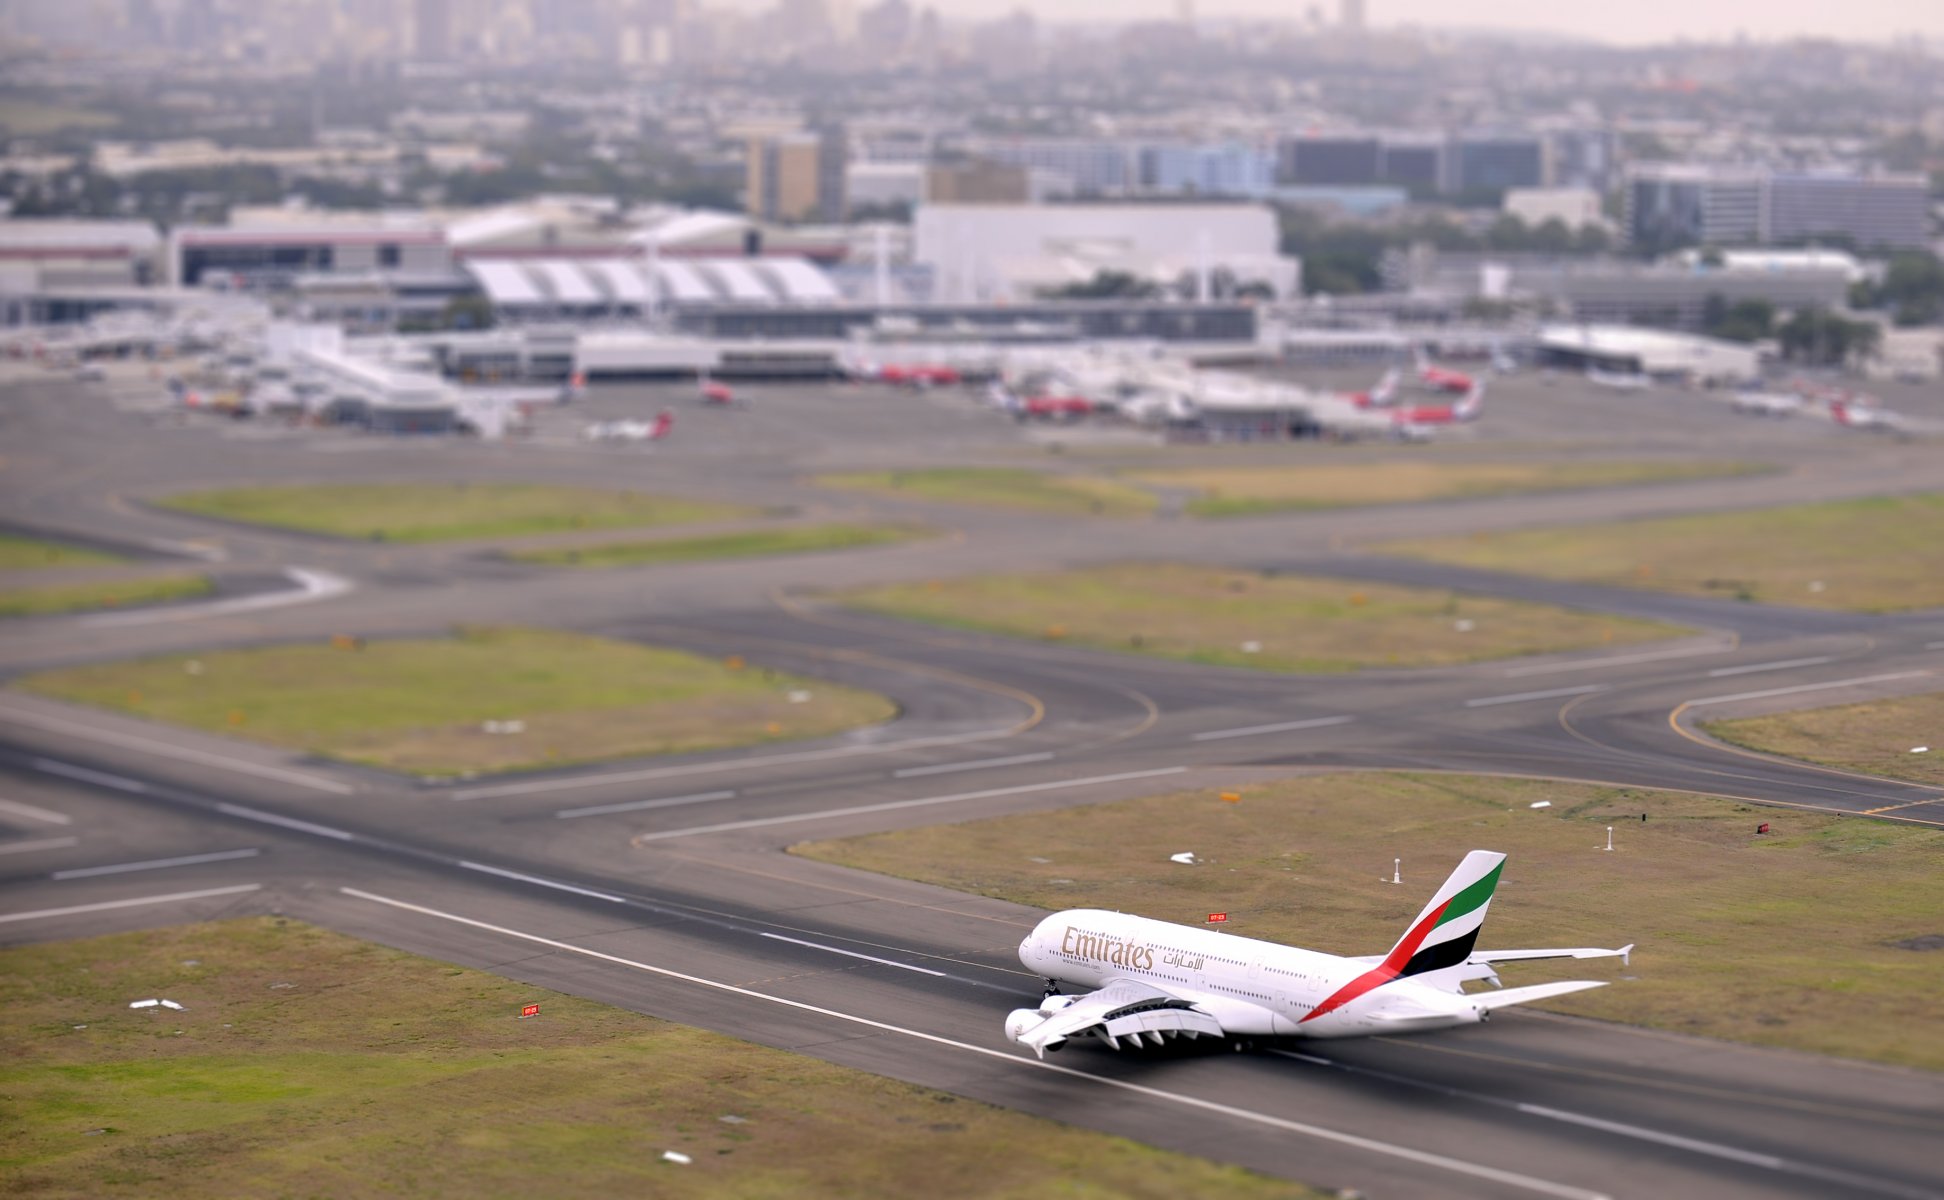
x=796 y=177
x=1330 y=161
x=1868 y=211
x=1687 y=204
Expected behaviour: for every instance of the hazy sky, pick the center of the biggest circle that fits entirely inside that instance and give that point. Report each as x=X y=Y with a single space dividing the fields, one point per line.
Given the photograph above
x=1625 y=21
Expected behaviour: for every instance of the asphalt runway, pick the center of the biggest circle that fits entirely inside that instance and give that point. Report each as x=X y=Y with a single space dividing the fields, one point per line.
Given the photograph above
x=659 y=885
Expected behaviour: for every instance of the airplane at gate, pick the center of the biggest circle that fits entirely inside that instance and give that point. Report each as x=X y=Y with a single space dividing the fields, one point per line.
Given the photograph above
x=1155 y=980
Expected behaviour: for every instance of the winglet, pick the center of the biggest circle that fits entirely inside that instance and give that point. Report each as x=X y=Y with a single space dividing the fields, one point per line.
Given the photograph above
x=1626 y=951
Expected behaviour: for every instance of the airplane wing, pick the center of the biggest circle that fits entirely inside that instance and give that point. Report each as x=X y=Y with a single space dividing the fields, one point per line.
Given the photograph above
x=1122 y=1009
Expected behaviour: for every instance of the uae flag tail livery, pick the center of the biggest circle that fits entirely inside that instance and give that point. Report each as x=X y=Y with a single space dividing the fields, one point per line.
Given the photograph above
x=1138 y=981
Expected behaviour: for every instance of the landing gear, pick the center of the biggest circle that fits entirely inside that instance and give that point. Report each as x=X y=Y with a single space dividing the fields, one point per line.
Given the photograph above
x=1052 y=988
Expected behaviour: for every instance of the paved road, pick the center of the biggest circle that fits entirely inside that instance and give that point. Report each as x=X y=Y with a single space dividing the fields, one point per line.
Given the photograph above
x=659 y=885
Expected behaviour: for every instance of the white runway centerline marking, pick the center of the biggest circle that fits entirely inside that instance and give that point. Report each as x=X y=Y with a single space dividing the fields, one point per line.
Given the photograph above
x=762 y=760
x=1441 y=1162
x=1548 y=694
x=1616 y=660
x=1807 y=687
x=311 y=585
x=854 y=954
x=975 y=765
x=601 y=810
x=1637 y=1132
x=16 y=808
x=893 y=805
x=137 y=902
x=1216 y=735
x=555 y=884
x=270 y=818
x=1783 y=665
x=120 y=783
x=186 y=754
x=154 y=864
x=59 y=843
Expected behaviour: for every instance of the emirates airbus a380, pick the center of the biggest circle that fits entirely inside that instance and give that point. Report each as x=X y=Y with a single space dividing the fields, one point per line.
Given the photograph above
x=1154 y=980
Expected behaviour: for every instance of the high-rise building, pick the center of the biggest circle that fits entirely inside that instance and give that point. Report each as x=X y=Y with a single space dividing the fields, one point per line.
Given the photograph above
x=796 y=176
x=1670 y=205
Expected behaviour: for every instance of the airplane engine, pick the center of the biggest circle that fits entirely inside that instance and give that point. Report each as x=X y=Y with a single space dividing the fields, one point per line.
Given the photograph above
x=1053 y=1004
x=1022 y=1019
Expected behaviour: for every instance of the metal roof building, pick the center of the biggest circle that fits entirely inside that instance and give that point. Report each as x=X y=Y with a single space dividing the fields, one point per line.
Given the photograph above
x=527 y=288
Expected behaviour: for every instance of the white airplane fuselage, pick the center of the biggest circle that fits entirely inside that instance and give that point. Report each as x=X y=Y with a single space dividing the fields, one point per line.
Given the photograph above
x=1254 y=988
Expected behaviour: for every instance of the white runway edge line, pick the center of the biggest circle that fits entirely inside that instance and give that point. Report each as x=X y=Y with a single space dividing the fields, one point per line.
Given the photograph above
x=311 y=586
x=601 y=810
x=154 y=864
x=184 y=753
x=726 y=764
x=17 y=809
x=278 y=819
x=120 y=783
x=1548 y=694
x=59 y=843
x=777 y=937
x=1616 y=660
x=976 y=764
x=893 y=805
x=137 y=902
x=1216 y=735
x=1807 y=687
x=537 y=881
x=1783 y=665
x=1371 y=1145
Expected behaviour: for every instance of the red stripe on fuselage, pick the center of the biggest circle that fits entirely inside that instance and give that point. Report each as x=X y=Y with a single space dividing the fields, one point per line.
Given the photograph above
x=1381 y=974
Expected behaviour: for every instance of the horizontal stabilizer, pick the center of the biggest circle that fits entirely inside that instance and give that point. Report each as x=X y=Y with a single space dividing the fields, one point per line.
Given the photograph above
x=1538 y=991
x=1497 y=956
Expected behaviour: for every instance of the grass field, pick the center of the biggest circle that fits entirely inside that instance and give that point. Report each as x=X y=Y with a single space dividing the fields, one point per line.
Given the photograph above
x=1875 y=738
x=1875 y=555
x=310 y=1064
x=83 y=597
x=1785 y=940
x=421 y=706
x=1213 y=615
x=799 y=539
x=432 y=512
x=26 y=554
x=1004 y=487
x=1244 y=491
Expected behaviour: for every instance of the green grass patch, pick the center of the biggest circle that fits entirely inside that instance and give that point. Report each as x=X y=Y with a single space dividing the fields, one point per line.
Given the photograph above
x=84 y=597
x=802 y=539
x=421 y=705
x=307 y=1063
x=432 y=512
x=1004 y=487
x=1875 y=737
x=1244 y=491
x=1875 y=555
x=1244 y=619
x=27 y=554
x=1784 y=940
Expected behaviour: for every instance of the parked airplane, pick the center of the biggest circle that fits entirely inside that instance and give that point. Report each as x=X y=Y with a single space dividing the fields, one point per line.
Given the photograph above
x=1767 y=404
x=1156 y=980
x=631 y=431
x=1379 y=396
x=1851 y=414
x=1466 y=409
x=1442 y=379
x=716 y=392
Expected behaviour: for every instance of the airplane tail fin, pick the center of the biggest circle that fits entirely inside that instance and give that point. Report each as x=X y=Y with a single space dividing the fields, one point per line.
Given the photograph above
x=1446 y=932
